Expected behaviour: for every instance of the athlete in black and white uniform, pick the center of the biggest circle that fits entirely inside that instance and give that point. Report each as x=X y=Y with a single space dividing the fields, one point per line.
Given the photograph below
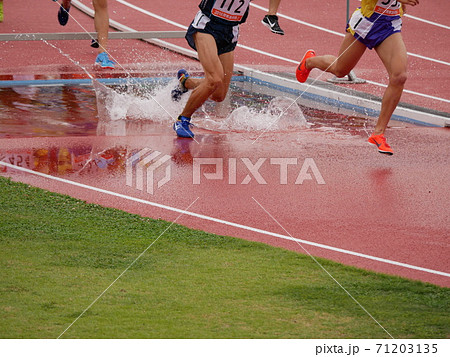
x=215 y=19
x=213 y=34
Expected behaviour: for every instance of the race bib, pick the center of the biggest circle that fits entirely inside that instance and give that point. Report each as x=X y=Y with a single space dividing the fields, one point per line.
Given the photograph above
x=388 y=7
x=230 y=10
x=359 y=24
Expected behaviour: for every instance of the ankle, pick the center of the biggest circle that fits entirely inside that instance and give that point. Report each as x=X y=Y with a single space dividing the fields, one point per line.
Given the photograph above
x=307 y=64
x=378 y=132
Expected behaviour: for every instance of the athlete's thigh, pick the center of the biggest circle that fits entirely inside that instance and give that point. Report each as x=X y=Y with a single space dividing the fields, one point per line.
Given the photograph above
x=350 y=53
x=207 y=54
x=392 y=52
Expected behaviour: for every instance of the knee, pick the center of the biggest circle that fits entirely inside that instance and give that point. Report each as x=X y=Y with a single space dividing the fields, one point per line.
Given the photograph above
x=218 y=97
x=220 y=94
x=213 y=83
x=398 y=79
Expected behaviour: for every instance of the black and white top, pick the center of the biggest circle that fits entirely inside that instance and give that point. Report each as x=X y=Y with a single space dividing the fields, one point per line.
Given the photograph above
x=227 y=12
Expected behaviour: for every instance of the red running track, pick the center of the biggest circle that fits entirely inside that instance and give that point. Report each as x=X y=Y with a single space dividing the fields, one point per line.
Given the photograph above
x=371 y=206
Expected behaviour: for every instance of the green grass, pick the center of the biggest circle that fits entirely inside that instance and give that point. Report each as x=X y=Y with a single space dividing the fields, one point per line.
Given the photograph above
x=58 y=254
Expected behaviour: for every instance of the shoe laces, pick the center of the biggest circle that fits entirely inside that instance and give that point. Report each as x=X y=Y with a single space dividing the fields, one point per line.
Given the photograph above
x=104 y=57
x=186 y=124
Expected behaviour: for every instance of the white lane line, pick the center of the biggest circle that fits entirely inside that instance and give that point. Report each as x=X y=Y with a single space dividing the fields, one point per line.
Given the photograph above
x=293 y=19
x=227 y=223
x=428 y=58
x=268 y=54
x=428 y=22
x=126 y=3
x=288 y=59
x=411 y=92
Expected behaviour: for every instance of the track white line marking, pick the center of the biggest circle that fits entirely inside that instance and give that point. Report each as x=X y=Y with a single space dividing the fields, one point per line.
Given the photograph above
x=293 y=19
x=126 y=3
x=227 y=223
x=428 y=22
x=428 y=59
x=411 y=92
x=268 y=54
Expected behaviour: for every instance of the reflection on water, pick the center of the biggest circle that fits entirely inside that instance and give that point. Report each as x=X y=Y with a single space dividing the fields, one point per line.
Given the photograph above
x=66 y=160
x=136 y=110
x=47 y=111
x=100 y=158
x=92 y=161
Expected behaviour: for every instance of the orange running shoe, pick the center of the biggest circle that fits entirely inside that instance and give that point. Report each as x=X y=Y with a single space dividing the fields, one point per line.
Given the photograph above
x=302 y=72
x=382 y=145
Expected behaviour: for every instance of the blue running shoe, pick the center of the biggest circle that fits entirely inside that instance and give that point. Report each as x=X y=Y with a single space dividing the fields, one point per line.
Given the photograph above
x=181 y=127
x=180 y=89
x=63 y=15
x=104 y=61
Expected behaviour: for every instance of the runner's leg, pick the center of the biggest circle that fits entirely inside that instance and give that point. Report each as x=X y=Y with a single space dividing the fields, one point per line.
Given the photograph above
x=214 y=73
x=350 y=53
x=392 y=52
x=227 y=60
x=101 y=22
x=273 y=7
x=66 y=4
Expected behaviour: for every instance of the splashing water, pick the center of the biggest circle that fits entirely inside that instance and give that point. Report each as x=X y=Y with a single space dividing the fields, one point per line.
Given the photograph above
x=279 y=115
x=157 y=106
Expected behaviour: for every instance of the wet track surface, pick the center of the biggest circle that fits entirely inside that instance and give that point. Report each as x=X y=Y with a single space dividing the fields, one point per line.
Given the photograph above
x=316 y=180
x=309 y=176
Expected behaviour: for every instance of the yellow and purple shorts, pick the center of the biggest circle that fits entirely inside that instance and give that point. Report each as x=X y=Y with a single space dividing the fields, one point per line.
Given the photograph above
x=372 y=31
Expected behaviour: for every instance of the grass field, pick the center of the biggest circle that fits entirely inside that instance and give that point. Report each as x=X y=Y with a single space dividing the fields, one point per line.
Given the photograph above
x=58 y=254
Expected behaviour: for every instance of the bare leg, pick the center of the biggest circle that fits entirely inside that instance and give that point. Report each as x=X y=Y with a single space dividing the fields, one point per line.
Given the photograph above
x=192 y=83
x=218 y=71
x=227 y=61
x=392 y=52
x=349 y=55
x=101 y=21
x=66 y=3
x=273 y=7
x=228 y=65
